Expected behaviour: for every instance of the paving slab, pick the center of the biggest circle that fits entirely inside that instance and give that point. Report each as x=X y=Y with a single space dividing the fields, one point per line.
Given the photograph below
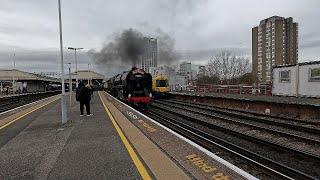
x=84 y=148
x=180 y=151
x=157 y=161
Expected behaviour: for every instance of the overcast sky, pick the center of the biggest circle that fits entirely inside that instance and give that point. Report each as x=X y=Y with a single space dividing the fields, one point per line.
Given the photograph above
x=29 y=28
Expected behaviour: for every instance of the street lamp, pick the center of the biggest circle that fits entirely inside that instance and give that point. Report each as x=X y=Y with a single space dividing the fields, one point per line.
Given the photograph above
x=13 y=73
x=63 y=92
x=75 y=57
x=89 y=78
x=70 y=85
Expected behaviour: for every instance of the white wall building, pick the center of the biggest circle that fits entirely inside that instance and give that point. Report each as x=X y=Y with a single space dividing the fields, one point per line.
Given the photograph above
x=162 y=70
x=179 y=83
x=185 y=68
x=302 y=79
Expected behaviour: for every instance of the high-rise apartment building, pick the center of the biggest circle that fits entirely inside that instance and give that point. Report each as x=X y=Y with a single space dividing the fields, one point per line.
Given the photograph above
x=274 y=42
x=149 y=58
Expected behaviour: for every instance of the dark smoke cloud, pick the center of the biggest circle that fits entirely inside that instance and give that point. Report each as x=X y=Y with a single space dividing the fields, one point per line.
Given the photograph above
x=166 y=51
x=126 y=47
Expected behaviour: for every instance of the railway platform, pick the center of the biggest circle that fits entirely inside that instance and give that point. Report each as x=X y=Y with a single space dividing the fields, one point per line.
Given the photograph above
x=281 y=106
x=117 y=142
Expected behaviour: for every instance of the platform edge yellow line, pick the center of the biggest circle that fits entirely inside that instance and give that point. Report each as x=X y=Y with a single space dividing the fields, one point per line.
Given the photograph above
x=142 y=170
x=16 y=119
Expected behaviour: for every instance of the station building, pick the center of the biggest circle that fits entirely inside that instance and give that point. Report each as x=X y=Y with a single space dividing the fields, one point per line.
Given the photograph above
x=25 y=81
x=88 y=77
x=301 y=79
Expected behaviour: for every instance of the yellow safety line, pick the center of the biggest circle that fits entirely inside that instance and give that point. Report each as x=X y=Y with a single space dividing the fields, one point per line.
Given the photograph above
x=142 y=170
x=7 y=124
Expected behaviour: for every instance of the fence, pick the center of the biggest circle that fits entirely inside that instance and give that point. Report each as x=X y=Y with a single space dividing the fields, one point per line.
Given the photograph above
x=256 y=89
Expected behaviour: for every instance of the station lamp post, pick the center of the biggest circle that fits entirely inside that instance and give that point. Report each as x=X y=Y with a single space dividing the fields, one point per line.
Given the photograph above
x=75 y=58
x=70 y=85
x=63 y=91
x=89 y=78
x=13 y=73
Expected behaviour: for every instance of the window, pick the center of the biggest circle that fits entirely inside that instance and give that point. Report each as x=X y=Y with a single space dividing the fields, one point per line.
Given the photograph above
x=315 y=75
x=285 y=76
x=161 y=83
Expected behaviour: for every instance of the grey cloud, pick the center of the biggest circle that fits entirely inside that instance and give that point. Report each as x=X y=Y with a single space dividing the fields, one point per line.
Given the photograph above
x=42 y=61
x=311 y=44
x=196 y=25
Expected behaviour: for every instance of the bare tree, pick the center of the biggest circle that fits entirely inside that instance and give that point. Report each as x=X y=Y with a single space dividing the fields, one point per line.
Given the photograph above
x=227 y=66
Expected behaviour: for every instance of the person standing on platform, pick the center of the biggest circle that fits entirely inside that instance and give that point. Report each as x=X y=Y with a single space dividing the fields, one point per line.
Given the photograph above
x=83 y=95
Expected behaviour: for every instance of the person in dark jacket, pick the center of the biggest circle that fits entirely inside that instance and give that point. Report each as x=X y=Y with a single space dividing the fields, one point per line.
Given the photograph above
x=83 y=95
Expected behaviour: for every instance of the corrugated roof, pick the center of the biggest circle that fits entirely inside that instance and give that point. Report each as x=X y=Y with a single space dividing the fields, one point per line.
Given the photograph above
x=10 y=74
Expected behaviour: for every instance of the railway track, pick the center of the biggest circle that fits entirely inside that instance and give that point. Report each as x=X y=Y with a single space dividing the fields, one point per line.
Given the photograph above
x=291 y=132
x=271 y=159
x=11 y=102
x=305 y=125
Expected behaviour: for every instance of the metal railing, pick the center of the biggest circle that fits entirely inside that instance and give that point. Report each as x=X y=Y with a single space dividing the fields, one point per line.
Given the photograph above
x=261 y=89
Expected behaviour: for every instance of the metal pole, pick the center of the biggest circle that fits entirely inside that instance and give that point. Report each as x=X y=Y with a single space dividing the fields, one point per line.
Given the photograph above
x=63 y=93
x=75 y=57
x=88 y=74
x=70 y=86
x=1 y=88
x=13 y=73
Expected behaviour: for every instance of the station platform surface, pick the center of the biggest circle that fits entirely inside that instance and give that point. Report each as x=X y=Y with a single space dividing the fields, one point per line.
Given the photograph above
x=111 y=144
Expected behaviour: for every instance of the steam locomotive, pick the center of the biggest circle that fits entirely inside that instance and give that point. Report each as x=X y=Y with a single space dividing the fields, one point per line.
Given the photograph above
x=133 y=87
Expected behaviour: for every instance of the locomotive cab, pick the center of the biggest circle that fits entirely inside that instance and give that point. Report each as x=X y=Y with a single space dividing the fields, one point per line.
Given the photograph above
x=160 y=86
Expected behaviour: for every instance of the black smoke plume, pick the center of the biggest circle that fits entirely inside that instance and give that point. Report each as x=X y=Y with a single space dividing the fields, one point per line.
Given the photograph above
x=125 y=49
x=166 y=50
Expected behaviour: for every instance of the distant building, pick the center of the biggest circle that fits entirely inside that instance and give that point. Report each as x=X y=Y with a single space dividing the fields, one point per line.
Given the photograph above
x=274 y=43
x=175 y=80
x=149 y=57
x=302 y=79
x=87 y=77
x=202 y=71
x=179 y=83
x=162 y=70
x=25 y=82
x=185 y=68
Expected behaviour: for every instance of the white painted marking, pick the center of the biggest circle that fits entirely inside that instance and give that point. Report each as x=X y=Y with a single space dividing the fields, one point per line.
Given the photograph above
x=215 y=157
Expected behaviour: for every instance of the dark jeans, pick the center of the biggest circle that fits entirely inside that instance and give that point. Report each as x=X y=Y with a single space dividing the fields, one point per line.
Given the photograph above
x=87 y=104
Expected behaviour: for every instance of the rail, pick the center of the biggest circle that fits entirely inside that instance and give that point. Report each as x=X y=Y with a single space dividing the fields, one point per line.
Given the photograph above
x=13 y=101
x=270 y=149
